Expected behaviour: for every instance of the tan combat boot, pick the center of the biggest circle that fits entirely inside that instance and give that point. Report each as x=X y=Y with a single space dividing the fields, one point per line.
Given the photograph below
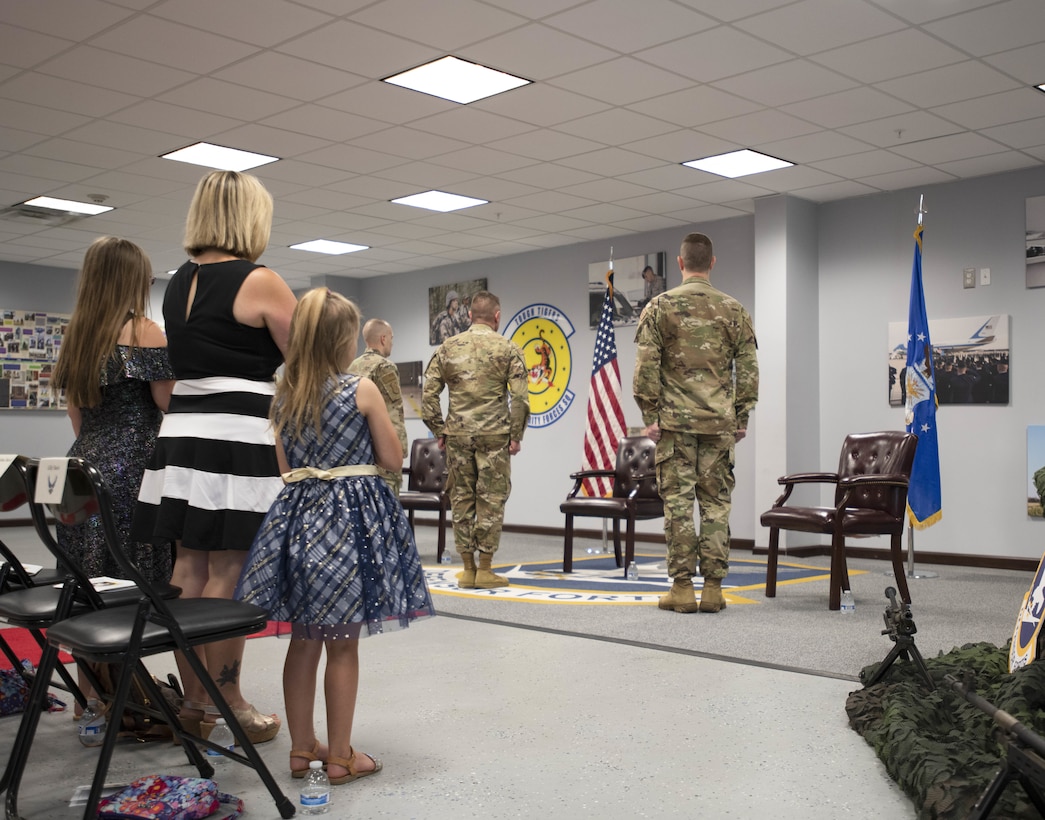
x=711 y=599
x=680 y=597
x=466 y=578
x=484 y=577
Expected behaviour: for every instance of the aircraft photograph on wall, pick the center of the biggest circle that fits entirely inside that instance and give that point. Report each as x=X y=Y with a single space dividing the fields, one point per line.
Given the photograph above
x=970 y=360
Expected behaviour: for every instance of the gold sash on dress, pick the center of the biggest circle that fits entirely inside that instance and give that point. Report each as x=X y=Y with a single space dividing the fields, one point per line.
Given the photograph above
x=301 y=473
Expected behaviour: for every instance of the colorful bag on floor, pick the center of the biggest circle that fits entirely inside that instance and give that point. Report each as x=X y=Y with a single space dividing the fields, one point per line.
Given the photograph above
x=14 y=692
x=167 y=797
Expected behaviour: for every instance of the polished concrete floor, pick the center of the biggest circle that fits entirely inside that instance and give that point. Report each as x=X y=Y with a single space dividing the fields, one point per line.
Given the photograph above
x=500 y=709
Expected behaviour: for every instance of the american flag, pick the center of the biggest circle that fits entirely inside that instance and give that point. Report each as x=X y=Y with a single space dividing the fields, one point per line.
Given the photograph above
x=605 y=424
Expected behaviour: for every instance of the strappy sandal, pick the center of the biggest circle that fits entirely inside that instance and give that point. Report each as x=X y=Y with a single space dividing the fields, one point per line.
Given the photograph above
x=309 y=756
x=349 y=766
x=190 y=724
x=259 y=728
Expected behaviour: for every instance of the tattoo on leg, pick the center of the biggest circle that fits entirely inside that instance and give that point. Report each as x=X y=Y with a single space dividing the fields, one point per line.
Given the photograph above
x=229 y=676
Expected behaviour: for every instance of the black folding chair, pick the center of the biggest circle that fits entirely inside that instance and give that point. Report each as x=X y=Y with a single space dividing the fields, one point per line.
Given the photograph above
x=127 y=634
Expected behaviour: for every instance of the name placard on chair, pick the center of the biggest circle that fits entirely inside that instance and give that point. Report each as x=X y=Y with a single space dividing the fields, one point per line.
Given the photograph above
x=50 y=480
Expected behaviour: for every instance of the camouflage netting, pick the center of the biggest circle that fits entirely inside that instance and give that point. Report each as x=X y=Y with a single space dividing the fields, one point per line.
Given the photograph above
x=939 y=748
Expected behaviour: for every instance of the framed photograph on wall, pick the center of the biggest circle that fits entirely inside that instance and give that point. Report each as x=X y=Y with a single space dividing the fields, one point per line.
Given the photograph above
x=970 y=360
x=410 y=374
x=448 y=307
x=1035 y=470
x=636 y=280
x=1036 y=242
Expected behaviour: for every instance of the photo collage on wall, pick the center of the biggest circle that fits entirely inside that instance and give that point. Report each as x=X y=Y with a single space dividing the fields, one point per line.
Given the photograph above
x=29 y=344
x=970 y=360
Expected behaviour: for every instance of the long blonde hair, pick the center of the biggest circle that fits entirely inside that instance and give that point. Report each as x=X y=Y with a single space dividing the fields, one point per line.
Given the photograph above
x=230 y=212
x=113 y=288
x=322 y=344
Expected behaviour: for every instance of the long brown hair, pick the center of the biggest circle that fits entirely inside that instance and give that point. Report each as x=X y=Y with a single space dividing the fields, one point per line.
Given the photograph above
x=113 y=288
x=322 y=344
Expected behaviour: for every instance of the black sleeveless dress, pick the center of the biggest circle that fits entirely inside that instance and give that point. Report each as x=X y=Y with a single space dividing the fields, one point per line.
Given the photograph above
x=213 y=474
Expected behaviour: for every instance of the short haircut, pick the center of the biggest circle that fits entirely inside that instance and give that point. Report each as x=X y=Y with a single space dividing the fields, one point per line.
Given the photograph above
x=696 y=253
x=374 y=329
x=485 y=306
x=230 y=212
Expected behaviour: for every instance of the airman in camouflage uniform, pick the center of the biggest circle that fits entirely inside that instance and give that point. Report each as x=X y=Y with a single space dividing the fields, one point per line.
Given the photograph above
x=481 y=370
x=374 y=364
x=696 y=383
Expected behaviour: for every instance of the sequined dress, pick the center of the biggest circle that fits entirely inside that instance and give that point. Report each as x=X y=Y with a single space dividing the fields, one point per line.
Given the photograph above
x=117 y=436
x=336 y=557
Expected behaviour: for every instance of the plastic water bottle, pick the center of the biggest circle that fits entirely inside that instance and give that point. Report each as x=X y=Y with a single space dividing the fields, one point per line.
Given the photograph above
x=220 y=735
x=315 y=794
x=633 y=572
x=92 y=724
x=848 y=604
x=446 y=559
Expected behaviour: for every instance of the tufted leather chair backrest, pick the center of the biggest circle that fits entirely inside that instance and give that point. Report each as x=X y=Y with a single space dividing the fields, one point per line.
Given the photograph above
x=888 y=452
x=636 y=455
x=427 y=466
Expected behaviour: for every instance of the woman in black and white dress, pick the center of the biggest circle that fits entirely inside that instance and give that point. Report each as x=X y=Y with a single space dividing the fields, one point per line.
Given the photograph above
x=214 y=473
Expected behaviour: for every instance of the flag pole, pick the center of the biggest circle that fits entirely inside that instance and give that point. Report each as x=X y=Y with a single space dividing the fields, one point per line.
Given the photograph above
x=911 y=573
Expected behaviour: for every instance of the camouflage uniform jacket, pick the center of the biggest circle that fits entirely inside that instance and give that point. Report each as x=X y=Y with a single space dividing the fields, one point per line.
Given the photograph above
x=482 y=369
x=689 y=339
x=385 y=375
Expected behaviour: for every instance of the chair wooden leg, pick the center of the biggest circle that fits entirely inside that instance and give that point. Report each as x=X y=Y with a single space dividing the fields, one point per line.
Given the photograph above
x=834 y=600
x=567 y=545
x=441 y=538
x=771 y=562
x=629 y=546
x=616 y=542
x=899 y=571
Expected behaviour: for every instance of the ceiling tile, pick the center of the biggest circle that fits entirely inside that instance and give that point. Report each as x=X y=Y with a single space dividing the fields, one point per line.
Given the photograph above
x=540 y=104
x=289 y=76
x=1025 y=64
x=448 y=24
x=545 y=145
x=45 y=169
x=962 y=81
x=1026 y=134
x=604 y=213
x=351 y=159
x=785 y=83
x=924 y=12
x=549 y=202
x=681 y=146
x=471 y=125
x=172 y=44
x=951 y=147
x=607 y=190
x=26 y=49
x=712 y=55
x=727 y=10
x=616 y=126
x=75 y=21
x=994 y=28
x=835 y=190
x=219 y=97
x=811 y=26
x=184 y=125
x=409 y=142
x=372 y=54
x=535 y=9
x=308 y=173
x=273 y=142
x=387 y=103
x=991 y=164
x=610 y=161
x=65 y=95
x=537 y=52
x=627 y=26
x=695 y=106
x=548 y=175
x=421 y=176
x=994 y=109
x=890 y=132
x=115 y=71
x=325 y=123
x=752 y=130
x=621 y=81
x=659 y=203
x=889 y=56
x=847 y=107
x=817 y=146
x=482 y=160
x=913 y=178
x=260 y=22
x=83 y=153
x=869 y=163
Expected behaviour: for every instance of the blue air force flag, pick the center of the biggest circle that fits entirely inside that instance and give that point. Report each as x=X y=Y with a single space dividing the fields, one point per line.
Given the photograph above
x=924 y=505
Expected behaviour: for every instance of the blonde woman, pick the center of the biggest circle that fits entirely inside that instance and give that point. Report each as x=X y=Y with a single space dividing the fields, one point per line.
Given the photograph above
x=214 y=473
x=113 y=366
x=335 y=557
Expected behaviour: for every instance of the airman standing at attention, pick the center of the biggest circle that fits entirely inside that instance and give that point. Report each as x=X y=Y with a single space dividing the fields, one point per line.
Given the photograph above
x=696 y=383
x=374 y=364
x=485 y=376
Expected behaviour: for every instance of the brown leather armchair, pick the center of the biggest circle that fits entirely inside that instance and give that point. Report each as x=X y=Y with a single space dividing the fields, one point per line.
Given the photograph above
x=425 y=486
x=870 y=499
x=634 y=497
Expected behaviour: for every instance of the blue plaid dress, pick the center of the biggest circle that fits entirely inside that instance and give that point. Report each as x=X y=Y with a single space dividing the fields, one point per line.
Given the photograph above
x=336 y=558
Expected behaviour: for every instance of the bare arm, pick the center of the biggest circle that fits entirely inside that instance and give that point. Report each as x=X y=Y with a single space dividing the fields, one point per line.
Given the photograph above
x=388 y=452
x=75 y=418
x=150 y=335
x=265 y=300
x=281 y=457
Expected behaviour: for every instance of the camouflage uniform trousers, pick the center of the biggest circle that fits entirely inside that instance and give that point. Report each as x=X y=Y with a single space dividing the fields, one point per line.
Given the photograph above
x=393 y=479
x=479 y=478
x=692 y=465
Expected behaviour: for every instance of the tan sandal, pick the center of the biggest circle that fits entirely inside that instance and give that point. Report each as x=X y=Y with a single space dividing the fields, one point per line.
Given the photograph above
x=349 y=766
x=190 y=724
x=259 y=728
x=309 y=756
